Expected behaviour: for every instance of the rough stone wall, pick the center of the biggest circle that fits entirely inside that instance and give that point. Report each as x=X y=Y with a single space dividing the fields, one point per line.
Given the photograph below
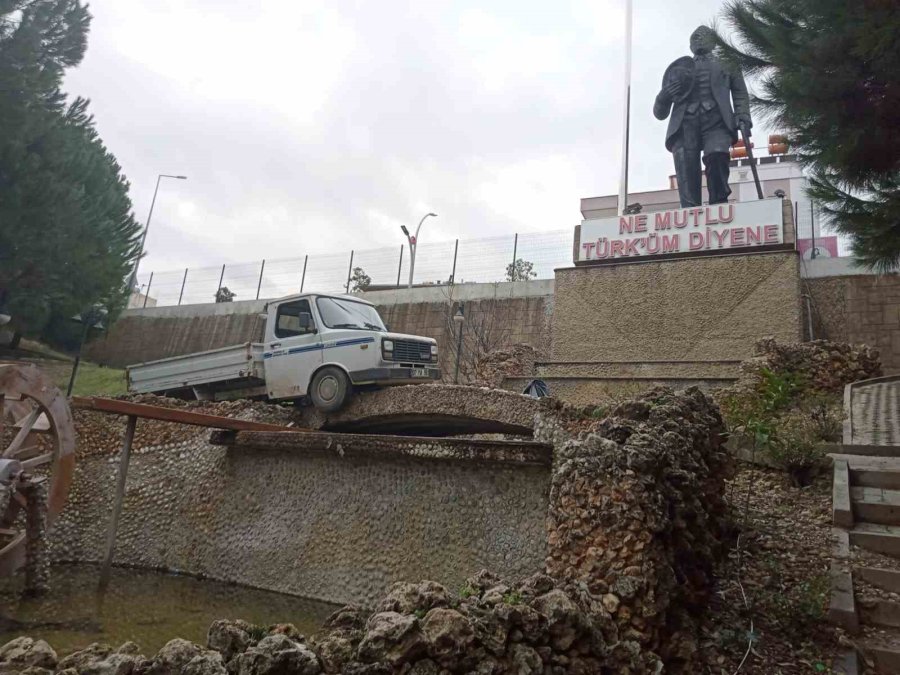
x=859 y=309
x=710 y=308
x=341 y=529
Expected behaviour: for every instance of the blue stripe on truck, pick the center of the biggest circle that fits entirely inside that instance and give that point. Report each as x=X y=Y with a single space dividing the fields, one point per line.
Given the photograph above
x=311 y=348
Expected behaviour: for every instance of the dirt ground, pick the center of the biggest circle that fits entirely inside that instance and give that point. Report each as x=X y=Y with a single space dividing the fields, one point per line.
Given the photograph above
x=772 y=592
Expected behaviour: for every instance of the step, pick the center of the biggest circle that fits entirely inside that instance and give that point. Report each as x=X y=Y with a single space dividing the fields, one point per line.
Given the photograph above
x=869 y=471
x=878 y=612
x=886 y=579
x=876 y=505
x=871 y=450
x=885 y=654
x=883 y=539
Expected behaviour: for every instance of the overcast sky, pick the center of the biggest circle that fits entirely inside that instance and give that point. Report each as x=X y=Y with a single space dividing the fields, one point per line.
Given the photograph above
x=308 y=126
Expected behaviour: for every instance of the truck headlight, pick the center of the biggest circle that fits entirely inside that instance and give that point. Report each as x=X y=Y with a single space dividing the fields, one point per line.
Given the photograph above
x=387 y=345
x=434 y=352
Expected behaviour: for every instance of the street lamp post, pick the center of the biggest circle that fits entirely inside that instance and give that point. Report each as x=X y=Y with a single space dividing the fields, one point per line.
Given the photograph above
x=147 y=229
x=459 y=319
x=92 y=318
x=413 y=244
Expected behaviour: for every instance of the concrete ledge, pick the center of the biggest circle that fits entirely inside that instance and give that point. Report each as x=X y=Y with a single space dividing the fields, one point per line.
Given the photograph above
x=706 y=370
x=357 y=445
x=842 y=512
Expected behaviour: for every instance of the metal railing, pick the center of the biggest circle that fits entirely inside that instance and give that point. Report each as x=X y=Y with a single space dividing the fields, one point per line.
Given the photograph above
x=458 y=261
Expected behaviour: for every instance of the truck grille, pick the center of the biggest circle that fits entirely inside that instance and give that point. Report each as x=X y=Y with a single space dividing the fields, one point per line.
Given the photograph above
x=411 y=350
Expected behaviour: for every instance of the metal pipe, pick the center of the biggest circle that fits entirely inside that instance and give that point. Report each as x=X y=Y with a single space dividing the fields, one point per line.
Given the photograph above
x=512 y=275
x=400 y=266
x=453 y=273
x=137 y=262
x=809 y=321
x=303 y=278
x=221 y=278
x=812 y=224
x=413 y=247
x=117 y=503
x=350 y=270
x=183 y=282
x=259 y=285
x=147 y=294
x=84 y=334
x=623 y=183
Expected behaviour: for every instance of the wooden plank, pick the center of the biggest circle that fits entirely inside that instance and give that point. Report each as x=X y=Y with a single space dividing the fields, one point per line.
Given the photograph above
x=121 y=476
x=154 y=412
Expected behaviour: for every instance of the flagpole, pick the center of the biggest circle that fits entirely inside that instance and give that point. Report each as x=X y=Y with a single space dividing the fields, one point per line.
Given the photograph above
x=626 y=130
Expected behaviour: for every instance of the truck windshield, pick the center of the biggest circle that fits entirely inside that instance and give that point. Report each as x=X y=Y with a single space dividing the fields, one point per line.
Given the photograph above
x=340 y=313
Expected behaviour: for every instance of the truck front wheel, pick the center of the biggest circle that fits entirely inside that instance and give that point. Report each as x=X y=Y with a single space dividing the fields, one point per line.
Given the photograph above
x=329 y=389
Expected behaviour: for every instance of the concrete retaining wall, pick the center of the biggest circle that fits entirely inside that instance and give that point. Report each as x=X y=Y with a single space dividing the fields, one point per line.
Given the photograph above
x=860 y=309
x=330 y=522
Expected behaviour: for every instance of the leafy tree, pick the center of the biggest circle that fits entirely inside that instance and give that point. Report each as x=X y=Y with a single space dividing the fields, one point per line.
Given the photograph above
x=224 y=295
x=520 y=270
x=829 y=74
x=67 y=235
x=360 y=281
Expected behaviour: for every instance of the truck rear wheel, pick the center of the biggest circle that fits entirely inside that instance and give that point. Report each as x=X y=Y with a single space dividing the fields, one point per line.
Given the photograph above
x=329 y=389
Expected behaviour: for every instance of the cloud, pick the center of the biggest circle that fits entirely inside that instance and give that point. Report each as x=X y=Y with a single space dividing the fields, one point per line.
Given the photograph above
x=315 y=127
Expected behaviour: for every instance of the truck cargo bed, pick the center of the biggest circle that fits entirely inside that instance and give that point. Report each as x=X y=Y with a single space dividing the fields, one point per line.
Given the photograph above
x=240 y=366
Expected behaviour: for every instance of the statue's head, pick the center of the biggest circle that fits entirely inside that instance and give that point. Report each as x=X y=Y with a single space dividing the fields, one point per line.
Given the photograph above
x=703 y=40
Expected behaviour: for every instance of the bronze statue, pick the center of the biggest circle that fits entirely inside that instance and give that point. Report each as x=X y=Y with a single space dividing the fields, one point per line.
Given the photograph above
x=699 y=92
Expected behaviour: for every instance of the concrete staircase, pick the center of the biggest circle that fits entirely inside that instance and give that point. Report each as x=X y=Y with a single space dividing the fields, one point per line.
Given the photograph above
x=865 y=597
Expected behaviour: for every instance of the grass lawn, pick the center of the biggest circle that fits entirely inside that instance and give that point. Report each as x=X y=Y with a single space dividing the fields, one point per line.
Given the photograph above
x=92 y=380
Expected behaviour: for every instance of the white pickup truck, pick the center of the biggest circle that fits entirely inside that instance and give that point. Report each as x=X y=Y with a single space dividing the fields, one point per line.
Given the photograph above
x=316 y=346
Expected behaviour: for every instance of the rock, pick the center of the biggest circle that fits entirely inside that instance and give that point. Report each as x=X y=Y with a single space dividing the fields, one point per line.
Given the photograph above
x=86 y=657
x=563 y=617
x=335 y=651
x=392 y=637
x=208 y=663
x=174 y=656
x=450 y=635
x=278 y=655
x=24 y=652
x=407 y=598
x=610 y=603
x=523 y=660
x=229 y=638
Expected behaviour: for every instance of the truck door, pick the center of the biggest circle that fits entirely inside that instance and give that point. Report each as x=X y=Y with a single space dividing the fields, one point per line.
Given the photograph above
x=294 y=350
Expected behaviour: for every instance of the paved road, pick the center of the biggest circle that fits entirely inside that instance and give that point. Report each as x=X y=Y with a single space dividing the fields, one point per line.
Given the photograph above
x=876 y=414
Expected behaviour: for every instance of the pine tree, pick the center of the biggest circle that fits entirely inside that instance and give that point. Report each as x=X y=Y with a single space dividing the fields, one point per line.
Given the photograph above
x=67 y=234
x=829 y=74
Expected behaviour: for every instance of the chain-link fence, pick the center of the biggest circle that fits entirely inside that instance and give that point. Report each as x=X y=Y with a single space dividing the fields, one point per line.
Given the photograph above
x=462 y=260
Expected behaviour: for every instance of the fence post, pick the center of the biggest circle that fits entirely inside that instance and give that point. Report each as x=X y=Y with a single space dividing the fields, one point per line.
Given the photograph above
x=183 y=282
x=453 y=273
x=147 y=294
x=221 y=278
x=400 y=266
x=259 y=285
x=515 y=250
x=303 y=278
x=349 y=271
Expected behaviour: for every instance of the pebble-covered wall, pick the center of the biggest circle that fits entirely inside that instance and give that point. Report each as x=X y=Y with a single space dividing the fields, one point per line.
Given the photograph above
x=341 y=529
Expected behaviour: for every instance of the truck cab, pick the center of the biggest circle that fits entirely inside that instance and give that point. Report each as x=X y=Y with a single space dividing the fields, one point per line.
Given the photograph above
x=322 y=346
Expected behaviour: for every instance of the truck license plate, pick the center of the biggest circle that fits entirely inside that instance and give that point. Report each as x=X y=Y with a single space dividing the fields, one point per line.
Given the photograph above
x=420 y=372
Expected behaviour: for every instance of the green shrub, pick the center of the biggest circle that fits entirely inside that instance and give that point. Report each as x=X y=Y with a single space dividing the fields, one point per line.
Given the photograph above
x=796 y=446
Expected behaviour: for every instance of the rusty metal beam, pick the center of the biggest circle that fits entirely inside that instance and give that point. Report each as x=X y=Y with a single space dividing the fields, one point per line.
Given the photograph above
x=154 y=412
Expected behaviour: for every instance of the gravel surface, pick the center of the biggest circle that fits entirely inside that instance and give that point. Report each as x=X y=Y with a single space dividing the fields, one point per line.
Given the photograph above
x=777 y=577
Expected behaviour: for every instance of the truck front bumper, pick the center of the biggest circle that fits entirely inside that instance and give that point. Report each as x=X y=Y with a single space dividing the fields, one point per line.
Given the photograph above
x=395 y=375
